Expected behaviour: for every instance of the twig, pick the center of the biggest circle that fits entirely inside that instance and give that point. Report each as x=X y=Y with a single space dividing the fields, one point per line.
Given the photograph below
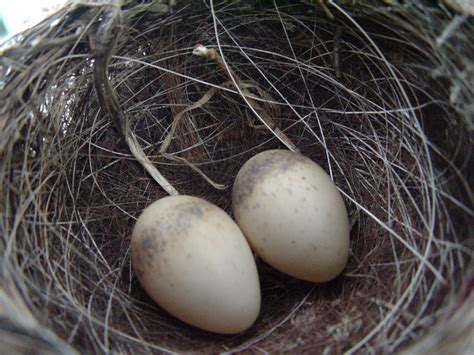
x=211 y=53
x=196 y=169
x=202 y=101
x=107 y=35
x=177 y=119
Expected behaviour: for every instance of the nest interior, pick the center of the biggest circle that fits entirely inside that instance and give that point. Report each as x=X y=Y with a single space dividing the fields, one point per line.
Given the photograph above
x=379 y=95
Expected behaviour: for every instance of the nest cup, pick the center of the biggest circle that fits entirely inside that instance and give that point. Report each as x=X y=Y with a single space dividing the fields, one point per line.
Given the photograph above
x=379 y=94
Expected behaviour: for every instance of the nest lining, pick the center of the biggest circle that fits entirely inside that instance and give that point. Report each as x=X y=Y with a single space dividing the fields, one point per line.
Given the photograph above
x=368 y=92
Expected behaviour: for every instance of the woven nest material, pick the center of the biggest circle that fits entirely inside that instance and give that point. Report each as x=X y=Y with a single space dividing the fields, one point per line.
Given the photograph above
x=379 y=94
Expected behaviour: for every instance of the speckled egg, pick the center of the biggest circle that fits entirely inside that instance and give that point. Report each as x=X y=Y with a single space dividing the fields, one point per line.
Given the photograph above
x=194 y=261
x=292 y=214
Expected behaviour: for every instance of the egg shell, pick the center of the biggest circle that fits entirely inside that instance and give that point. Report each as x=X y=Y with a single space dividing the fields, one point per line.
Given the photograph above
x=292 y=214
x=194 y=261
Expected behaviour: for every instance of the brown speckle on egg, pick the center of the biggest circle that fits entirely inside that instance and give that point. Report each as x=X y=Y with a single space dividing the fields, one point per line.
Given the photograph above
x=194 y=261
x=301 y=218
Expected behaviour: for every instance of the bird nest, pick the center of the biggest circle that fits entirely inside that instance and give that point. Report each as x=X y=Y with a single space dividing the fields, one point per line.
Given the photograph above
x=99 y=97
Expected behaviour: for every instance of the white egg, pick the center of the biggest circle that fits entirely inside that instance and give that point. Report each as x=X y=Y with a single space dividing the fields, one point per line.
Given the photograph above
x=194 y=261
x=292 y=215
